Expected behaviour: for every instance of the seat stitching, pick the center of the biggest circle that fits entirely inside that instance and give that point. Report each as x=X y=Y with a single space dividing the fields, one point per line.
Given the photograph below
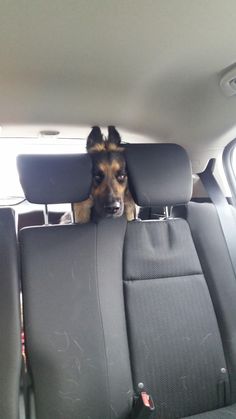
x=162 y=277
x=101 y=319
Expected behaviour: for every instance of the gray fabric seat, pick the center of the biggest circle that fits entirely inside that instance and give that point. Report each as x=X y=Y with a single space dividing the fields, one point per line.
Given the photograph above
x=109 y=301
x=74 y=321
x=214 y=256
x=10 y=345
x=74 y=316
x=181 y=329
x=175 y=344
x=228 y=412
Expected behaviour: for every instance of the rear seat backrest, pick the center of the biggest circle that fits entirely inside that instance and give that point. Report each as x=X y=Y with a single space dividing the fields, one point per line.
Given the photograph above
x=10 y=345
x=74 y=322
x=175 y=344
x=75 y=329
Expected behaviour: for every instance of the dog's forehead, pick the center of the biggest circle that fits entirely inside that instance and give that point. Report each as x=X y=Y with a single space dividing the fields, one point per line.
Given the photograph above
x=103 y=160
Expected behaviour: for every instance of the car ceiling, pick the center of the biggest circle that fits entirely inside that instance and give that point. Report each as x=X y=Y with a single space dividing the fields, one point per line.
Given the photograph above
x=148 y=67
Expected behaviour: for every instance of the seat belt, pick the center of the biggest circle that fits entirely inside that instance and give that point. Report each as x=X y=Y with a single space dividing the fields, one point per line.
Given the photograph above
x=144 y=407
x=226 y=218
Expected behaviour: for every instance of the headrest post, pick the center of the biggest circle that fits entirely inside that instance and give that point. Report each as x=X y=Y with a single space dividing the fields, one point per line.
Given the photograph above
x=46 y=217
x=72 y=213
x=167 y=212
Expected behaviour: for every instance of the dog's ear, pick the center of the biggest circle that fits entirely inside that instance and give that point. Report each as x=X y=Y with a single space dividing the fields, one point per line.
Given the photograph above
x=113 y=136
x=95 y=140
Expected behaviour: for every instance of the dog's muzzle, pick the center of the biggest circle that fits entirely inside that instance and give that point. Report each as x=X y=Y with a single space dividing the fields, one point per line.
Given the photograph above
x=112 y=208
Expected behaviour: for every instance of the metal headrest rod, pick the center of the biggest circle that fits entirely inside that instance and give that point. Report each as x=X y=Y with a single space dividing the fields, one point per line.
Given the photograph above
x=72 y=214
x=45 y=213
x=168 y=212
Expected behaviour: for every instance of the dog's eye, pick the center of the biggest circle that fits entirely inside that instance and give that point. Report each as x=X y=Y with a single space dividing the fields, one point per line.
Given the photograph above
x=98 y=178
x=121 y=177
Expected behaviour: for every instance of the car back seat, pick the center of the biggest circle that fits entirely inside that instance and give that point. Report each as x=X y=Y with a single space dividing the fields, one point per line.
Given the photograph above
x=75 y=320
x=185 y=368
x=76 y=339
x=10 y=345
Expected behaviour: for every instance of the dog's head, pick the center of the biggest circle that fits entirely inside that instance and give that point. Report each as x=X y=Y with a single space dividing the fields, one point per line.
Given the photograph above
x=109 y=172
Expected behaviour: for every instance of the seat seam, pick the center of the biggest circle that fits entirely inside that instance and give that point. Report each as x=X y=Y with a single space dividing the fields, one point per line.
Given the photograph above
x=162 y=277
x=101 y=320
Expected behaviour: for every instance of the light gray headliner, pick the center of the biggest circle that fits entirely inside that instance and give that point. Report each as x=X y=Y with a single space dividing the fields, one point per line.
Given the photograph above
x=151 y=67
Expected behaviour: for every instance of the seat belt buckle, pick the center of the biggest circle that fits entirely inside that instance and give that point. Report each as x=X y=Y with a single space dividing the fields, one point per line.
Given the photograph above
x=143 y=406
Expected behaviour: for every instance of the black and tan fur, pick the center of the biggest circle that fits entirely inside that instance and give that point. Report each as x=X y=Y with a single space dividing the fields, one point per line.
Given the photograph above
x=110 y=195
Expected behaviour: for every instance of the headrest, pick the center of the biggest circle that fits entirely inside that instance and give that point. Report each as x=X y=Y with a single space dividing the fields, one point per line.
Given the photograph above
x=159 y=174
x=55 y=179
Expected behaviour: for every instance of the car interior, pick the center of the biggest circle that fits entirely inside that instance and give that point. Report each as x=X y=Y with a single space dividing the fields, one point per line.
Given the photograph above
x=115 y=318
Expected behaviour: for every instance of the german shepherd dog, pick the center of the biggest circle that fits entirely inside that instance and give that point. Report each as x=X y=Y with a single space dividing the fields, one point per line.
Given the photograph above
x=110 y=195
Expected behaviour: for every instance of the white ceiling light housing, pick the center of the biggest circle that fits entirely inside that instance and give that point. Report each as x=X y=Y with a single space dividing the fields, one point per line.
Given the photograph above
x=49 y=133
x=228 y=82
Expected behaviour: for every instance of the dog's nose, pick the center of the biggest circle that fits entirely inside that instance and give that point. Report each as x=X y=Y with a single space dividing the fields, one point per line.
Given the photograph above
x=112 y=208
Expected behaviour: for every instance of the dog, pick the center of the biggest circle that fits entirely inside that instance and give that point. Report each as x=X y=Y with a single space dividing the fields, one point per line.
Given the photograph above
x=110 y=195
